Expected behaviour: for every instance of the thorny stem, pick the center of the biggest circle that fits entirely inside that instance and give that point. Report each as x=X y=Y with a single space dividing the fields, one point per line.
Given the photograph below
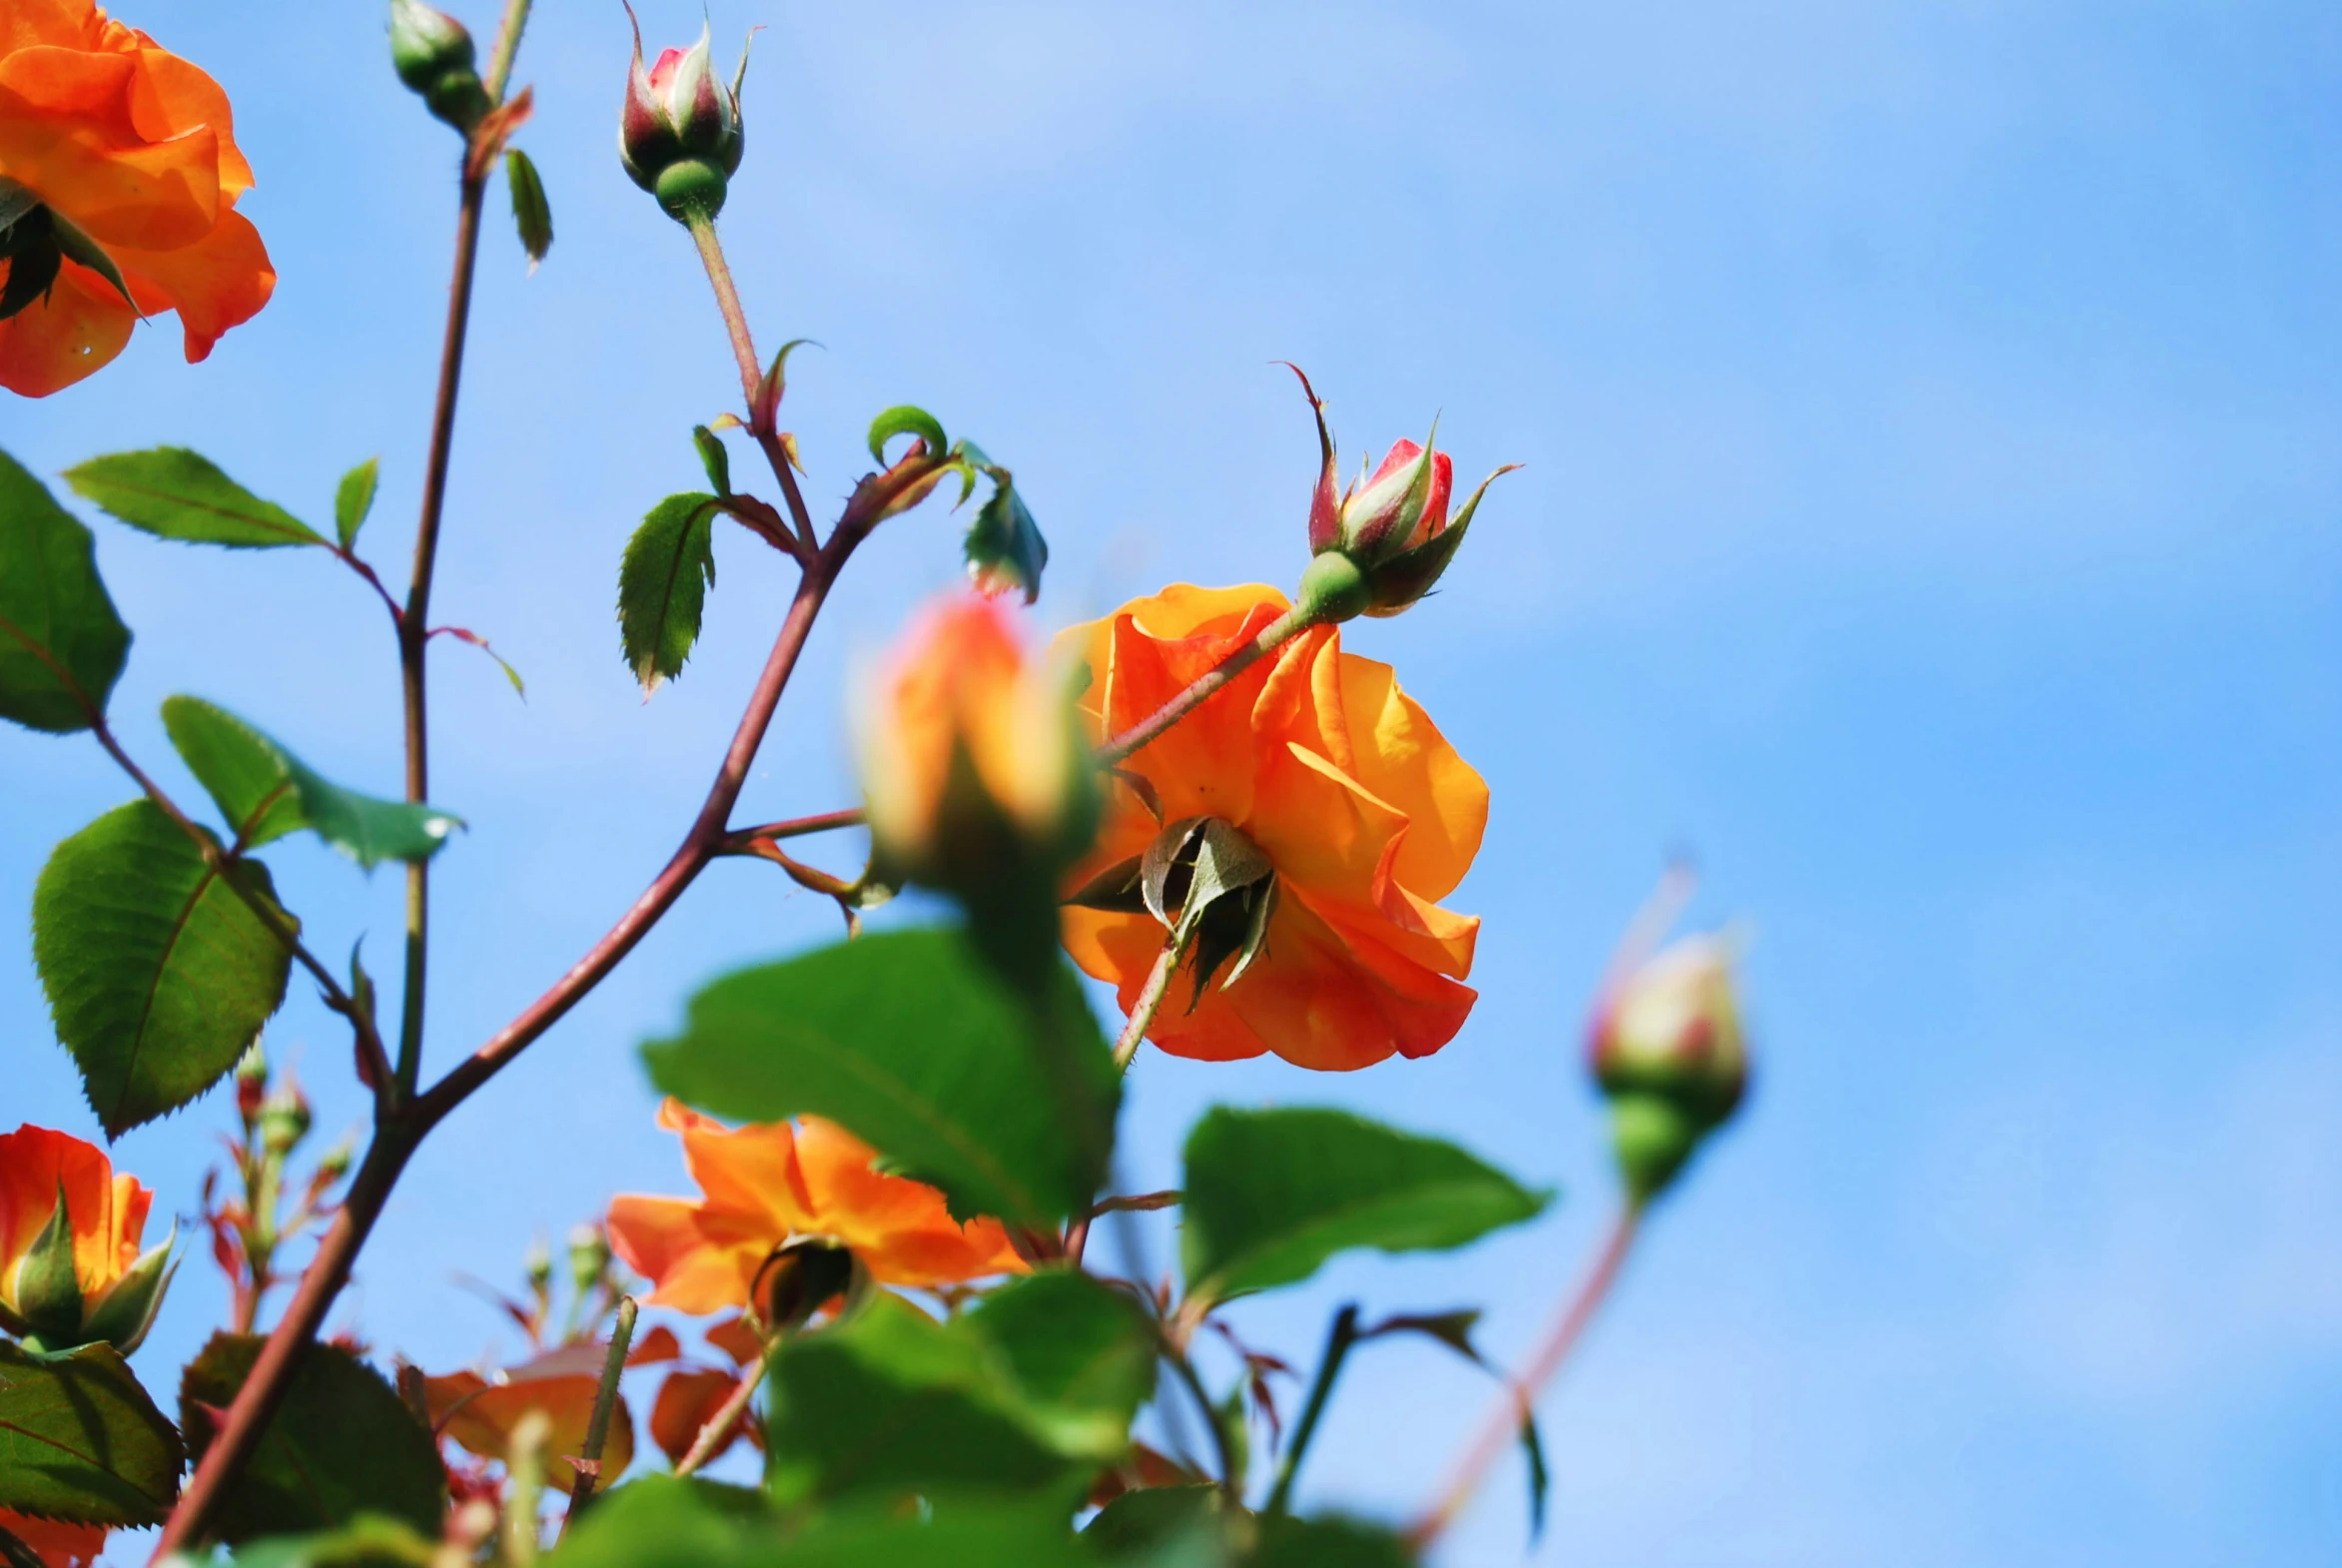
x=1513 y=1406
x=1151 y=995
x=760 y=423
x=1286 y=626
x=597 y=1425
x=508 y=45
x=720 y=1425
x=1338 y=1341
x=413 y=635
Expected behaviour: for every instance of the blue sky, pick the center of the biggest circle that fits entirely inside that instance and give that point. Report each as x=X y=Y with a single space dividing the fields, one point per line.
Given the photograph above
x=1934 y=463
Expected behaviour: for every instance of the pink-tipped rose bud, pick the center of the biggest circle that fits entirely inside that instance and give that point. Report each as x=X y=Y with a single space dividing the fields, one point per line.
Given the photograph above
x=1667 y=1047
x=1379 y=546
x=679 y=133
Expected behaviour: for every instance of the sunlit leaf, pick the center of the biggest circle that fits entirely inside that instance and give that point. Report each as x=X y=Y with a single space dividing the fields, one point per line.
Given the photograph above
x=179 y=494
x=353 y=499
x=663 y=580
x=61 y=645
x=81 y=1441
x=158 y=973
x=1272 y=1195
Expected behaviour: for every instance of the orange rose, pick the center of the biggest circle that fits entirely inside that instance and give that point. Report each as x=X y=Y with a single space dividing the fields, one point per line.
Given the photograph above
x=57 y=1544
x=114 y=153
x=484 y=1416
x=1364 y=812
x=114 y=1288
x=770 y=1184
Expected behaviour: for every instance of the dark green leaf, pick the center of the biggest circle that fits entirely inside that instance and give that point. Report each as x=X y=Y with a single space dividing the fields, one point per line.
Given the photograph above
x=909 y=1040
x=531 y=213
x=663 y=580
x=80 y=1440
x=353 y=499
x=265 y=792
x=1272 y=1195
x=904 y=419
x=342 y=1444
x=1327 y=1542
x=1154 y=1517
x=1003 y=547
x=158 y=973
x=662 y=1522
x=892 y=1403
x=368 y=1541
x=61 y=645
x=1082 y=1353
x=178 y=494
x=713 y=458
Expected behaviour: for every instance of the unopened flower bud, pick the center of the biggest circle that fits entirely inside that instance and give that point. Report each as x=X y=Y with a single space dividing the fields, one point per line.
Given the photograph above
x=432 y=55
x=1667 y=1047
x=589 y=1256
x=284 y=1118
x=976 y=776
x=334 y=1163
x=537 y=1265
x=1390 y=532
x=679 y=133
x=252 y=1084
x=803 y=1278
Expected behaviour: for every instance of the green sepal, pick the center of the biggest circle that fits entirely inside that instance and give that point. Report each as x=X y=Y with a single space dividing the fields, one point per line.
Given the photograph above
x=48 y=1296
x=127 y=1310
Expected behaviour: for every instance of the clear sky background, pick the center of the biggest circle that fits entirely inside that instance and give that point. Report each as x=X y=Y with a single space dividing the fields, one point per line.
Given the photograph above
x=1934 y=461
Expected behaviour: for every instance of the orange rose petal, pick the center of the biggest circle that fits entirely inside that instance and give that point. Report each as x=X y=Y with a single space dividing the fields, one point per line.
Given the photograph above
x=749 y=1169
x=170 y=95
x=54 y=342
x=108 y=1213
x=900 y=1228
x=737 y=1340
x=666 y=1241
x=66 y=132
x=220 y=281
x=687 y=1401
x=482 y=1417
x=1404 y=759
x=73 y=23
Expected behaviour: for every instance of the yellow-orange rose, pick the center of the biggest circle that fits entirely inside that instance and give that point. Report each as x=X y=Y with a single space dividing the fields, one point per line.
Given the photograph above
x=770 y=1184
x=132 y=150
x=1365 y=811
x=106 y=1215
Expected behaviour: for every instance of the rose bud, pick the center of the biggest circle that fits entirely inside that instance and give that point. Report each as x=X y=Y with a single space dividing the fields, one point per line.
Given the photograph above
x=71 y=1272
x=1384 y=543
x=1667 y=1049
x=589 y=1256
x=432 y=55
x=976 y=776
x=679 y=133
x=284 y=1118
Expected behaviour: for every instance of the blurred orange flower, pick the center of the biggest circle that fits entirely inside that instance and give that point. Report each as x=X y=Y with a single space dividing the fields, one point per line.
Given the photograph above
x=106 y=1213
x=482 y=1415
x=55 y=1544
x=767 y=1185
x=1365 y=810
x=114 y=153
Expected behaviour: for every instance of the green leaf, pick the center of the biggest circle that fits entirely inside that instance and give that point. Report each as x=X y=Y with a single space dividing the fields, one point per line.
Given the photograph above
x=1151 y=1518
x=531 y=213
x=178 y=494
x=663 y=580
x=81 y=1441
x=265 y=792
x=342 y=1444
x=909 y=1040
x=665 y=1522
x=1003 y=545
x=1082 y=1352
x=158 y=973
x=368 y=1541
x=713 y=458
x=892 y=1402
x=61 y=645
x=904 y=419
x=353 y=499
x=1272 y=1195
x=1327 y=1542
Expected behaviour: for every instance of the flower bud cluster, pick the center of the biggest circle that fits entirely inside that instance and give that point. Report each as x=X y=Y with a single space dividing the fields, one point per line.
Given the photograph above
x=432 y=55
x=679 y=133
x=1667 y=1050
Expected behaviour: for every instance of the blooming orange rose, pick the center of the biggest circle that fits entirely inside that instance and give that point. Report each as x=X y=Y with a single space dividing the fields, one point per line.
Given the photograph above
x=57 y=1544
x=113 y=151
x=767 y=1185
x=105 y=1215
x=1363 y=808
